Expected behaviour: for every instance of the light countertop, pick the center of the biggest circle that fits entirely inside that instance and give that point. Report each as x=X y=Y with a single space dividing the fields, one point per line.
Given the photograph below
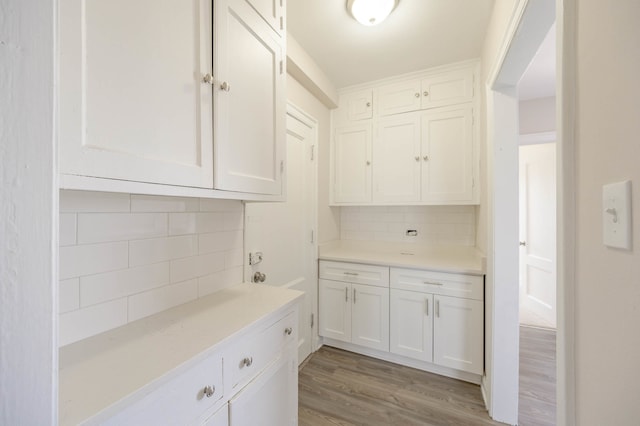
x=102 y=373
x=454 y=259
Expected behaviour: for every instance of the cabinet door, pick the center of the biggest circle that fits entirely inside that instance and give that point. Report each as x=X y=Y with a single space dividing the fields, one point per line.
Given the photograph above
x=458 y=330
x=249 y=101
x=400 y=97
x=447 y=151
x=396 y=159
x=335 y=310
x=358 y=105
x=133 y=105
x=352 y=164
x=411 y=324
x=370 y=317
x=447 y=89
x=219 y=418
x=272 y=11
x=270 y=400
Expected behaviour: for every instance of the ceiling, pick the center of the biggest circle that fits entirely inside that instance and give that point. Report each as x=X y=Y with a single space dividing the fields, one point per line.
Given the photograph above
x=539 y=80
x=418 y=34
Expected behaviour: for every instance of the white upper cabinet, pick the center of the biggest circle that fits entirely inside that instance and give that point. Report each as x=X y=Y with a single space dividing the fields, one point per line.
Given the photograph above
x=132 y=104
x=173 y=93
x=435 y=90
x=352 y=163
x=424 y=142
x=396 y=159
x=447 y=153
x=249 y=101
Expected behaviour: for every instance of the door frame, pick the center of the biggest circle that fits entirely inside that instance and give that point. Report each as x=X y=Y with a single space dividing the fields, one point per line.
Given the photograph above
x=500 y=385
x=299 y=114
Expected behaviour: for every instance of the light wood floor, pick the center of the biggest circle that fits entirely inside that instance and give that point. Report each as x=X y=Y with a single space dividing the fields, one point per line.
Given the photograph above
x=342 y=388
x=537 y=377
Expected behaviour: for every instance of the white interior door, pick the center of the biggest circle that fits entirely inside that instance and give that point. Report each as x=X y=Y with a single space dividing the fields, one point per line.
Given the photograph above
x=538 y=235
x=284 y=232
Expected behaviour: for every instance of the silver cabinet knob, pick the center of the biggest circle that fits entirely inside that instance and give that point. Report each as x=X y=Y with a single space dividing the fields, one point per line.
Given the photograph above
x=225 y=86
x=288 y=331
x=208 y=391
x=368 y=104
x=368 y=163
x=246 y=362
x=208 y=78
x=425 y=93
x=259 y=277
x=523 y=243
x=426 y=158
x=417 y=158
x=417 y=95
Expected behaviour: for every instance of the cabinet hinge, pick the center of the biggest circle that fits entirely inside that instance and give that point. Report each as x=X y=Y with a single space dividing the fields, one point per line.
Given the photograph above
x=473 y=182
x=312 y=236
x=312 y=320
x=281 y=23
x=281 y=67
x=281 y=166
x=312 y=151
x=281 y=3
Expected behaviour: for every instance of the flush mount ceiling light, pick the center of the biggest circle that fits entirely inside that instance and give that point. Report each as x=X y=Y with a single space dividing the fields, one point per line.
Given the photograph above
x=371 y=12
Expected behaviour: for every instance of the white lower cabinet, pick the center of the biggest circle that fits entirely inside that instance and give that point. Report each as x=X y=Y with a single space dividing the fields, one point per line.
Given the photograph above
x=433 y=317
x=219 y=418
x=270 y=400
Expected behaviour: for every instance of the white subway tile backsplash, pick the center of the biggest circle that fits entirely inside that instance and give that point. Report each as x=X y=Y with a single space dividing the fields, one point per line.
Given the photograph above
x=102 y=227
x=114 y=285
x=88 y=201
x=144 y=252
x=436 y=225
x=83 y=323
x=220 y=241
x=154 y=301
x=214 y=282
x=195 y=223
x=123 y=257
x=214 y=205
x=92 y=259
x=197 y=266
x=67 y=229
x=68 y=295
x=153 y=203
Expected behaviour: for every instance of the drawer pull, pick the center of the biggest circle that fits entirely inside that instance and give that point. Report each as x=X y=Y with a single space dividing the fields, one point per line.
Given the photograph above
x=432 y=283
x=246 y=362
x=352 y=274
x=288 y=331
x=209 y=391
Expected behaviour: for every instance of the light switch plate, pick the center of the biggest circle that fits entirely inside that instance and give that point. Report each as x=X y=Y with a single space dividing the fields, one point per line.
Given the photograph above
x=616 y=215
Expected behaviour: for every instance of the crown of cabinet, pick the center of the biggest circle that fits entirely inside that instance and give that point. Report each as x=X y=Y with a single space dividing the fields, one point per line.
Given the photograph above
x=139 y=104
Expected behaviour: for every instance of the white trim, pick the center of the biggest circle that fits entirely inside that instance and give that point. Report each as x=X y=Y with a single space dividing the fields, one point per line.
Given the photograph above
x=537 y=138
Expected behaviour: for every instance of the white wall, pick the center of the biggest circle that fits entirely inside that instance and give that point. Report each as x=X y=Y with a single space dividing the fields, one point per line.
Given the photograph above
x=124 y=257
x=607 y=289
x=28 y=214
x=436 y=225
x=537 y=115
x=328 y=217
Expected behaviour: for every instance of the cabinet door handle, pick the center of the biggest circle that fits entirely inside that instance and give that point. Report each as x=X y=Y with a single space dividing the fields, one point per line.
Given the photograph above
x=288 y=331
x=208 y=78
x=426 y=307
x=417 y=158
x=354 y=295
x=432 y=283
x=437 y=309
x=425 y=93
x=225 y=86
x=346 y=294
x=425 y=158
x=246 y=362
x=368 y=163
x=208 y=391
x=417 y=95
x=368 y=104
x=353 y=274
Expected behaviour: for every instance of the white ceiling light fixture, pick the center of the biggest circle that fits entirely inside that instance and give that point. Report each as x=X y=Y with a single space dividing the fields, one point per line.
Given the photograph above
x=371 y=12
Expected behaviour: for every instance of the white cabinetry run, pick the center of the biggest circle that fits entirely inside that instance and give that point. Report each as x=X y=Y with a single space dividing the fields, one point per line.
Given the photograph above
x=429 y=320
x=162 y=94
x=410 y=141
x=225 y=360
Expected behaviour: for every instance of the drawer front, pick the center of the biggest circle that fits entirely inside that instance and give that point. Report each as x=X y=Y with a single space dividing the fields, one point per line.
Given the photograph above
x=355 y=273
x=247 y=358
x=456 y=285
x=178 y=401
